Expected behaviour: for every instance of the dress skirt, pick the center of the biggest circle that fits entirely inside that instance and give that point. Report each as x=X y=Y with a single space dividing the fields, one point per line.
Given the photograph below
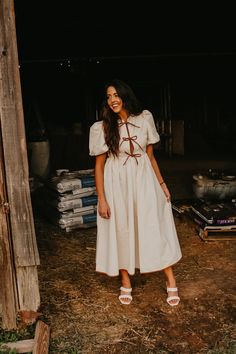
x=140 y=232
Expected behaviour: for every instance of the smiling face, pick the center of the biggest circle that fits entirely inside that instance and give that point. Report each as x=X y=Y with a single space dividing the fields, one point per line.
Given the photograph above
x=115 y=102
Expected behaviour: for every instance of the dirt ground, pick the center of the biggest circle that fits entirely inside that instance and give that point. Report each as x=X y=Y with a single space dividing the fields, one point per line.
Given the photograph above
x=85 y=315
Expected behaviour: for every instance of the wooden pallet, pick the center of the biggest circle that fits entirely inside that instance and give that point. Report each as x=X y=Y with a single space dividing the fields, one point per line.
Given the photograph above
x=216 y=233
x=38 y=345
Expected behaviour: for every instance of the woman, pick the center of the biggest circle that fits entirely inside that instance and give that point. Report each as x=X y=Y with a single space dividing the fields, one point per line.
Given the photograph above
x=135 y=225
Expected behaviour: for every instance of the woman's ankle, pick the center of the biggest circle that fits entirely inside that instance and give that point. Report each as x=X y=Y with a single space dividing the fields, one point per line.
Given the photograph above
x=171 y=283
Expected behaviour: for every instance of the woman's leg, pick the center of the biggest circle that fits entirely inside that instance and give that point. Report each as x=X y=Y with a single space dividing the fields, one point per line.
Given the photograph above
x=125 y=284
x=171 y=283
x=125 y=279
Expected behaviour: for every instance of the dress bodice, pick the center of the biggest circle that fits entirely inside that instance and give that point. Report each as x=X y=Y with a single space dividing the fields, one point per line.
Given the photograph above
x=135 y=134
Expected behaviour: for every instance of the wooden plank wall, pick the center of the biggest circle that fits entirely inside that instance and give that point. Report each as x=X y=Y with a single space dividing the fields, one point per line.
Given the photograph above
x=22 y=236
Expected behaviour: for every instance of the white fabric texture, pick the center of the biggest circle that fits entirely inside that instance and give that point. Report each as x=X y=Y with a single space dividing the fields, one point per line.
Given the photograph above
x=141 y=231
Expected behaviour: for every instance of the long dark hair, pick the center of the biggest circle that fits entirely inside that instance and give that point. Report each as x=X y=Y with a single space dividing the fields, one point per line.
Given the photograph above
x=110 y=119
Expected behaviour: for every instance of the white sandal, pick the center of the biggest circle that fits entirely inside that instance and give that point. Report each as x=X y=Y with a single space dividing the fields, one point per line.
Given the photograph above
x=126 y=296
x=173 y=297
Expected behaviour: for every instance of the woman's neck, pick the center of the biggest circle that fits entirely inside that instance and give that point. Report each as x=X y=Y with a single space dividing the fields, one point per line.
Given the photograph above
x=123 y=116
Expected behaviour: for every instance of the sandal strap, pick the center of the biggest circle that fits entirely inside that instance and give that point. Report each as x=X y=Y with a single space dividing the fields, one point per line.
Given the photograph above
x=127 y=290
x=173 y=298
x=123 y=296
x=172 y=289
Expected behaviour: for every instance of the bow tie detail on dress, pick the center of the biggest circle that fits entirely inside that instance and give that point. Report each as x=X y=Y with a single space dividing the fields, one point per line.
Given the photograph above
x=131 y=139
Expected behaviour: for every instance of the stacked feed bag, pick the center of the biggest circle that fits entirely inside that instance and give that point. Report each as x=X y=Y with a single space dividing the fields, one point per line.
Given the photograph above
x=71 y=200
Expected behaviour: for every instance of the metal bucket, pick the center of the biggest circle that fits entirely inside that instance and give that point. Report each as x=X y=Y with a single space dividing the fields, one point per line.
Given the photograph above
x=219 y=189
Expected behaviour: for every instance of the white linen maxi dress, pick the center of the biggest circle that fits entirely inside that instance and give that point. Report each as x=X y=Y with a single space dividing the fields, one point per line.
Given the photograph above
x=140 y=232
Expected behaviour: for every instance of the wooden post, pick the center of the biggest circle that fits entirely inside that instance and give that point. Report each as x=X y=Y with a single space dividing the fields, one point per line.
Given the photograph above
x=23 y=244
x=8 y=298
x=41 y=339
x=169 y=117
x=89 y=95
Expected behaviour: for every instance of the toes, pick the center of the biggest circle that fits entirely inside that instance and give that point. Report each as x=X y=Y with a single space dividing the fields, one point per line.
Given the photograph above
x=125 y=299
x=173 y=302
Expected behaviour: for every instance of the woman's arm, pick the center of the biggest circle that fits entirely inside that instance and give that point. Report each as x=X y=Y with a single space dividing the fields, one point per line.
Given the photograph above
x=149 y=151
x=103 y=207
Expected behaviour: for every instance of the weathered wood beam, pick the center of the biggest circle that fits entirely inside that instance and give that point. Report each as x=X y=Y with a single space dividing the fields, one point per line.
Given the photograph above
x=21 y=346
x=8 y=297
x=23 y=239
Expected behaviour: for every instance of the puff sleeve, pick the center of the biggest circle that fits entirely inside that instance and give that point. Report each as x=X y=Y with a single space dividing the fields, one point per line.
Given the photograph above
x=152 y=134
x=97 y=144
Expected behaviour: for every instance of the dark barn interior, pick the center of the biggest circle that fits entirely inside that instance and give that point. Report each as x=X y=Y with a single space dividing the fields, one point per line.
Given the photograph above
x=182 y=69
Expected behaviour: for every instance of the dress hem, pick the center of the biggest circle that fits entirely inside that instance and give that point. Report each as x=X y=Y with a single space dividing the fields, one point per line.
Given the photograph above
x=141 y=272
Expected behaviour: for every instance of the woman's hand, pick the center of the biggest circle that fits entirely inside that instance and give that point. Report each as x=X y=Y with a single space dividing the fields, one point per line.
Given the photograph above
x=149 y=151
x=104 y=209
x=166 y=191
